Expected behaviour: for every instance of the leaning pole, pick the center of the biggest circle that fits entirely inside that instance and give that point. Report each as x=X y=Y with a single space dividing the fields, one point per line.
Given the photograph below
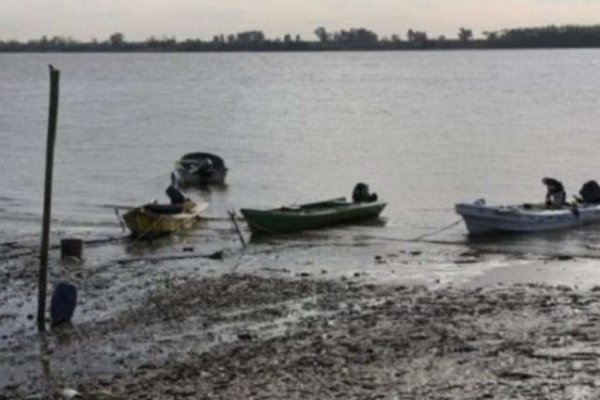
x=43 y=274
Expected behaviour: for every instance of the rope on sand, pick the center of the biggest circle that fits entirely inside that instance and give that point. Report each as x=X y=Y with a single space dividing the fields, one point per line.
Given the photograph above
x=440 y=230
x=420 y=238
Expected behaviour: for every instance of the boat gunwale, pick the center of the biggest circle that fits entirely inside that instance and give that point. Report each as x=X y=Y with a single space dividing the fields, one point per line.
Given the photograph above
x=198 y=209
x=302 y=212
x=502 y=213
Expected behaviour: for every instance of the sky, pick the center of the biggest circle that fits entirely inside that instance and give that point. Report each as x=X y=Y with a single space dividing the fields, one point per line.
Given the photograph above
x=140 y=19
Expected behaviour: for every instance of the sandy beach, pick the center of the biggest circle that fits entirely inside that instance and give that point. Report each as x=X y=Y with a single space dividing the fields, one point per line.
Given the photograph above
x=252 y=324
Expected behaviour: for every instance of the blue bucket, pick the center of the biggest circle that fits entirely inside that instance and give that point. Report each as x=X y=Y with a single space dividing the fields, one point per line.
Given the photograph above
x=63 y=302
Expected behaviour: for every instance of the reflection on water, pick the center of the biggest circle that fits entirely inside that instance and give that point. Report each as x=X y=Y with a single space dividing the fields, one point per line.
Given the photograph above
x=575 y=242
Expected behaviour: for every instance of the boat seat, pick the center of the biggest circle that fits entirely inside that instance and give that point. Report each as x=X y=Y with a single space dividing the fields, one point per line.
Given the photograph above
x=166 y=209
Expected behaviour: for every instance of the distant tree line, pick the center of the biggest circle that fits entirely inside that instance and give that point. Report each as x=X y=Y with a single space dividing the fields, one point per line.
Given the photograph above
x=548 y=37
x=352 y=39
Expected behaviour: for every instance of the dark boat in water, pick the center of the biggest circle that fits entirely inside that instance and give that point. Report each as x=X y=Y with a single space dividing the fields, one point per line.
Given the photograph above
x=199 y=169
x=310 y=216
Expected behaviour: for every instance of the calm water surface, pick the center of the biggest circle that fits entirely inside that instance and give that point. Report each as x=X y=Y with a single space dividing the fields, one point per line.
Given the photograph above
x=423 y=129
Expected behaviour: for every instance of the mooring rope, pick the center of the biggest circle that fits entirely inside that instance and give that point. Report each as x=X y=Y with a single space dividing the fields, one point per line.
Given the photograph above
x=440 y=230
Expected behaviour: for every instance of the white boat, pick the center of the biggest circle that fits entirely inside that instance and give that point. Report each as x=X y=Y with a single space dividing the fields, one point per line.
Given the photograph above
x=482 y=219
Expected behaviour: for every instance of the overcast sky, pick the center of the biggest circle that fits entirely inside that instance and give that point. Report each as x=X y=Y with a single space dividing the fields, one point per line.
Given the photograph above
x=140 y=19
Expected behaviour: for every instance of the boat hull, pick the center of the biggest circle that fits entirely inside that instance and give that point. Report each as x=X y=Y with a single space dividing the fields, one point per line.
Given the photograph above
x=190 y=178
x=144 y=223
x=198 y=169
x=310 y=216
x=481 y=219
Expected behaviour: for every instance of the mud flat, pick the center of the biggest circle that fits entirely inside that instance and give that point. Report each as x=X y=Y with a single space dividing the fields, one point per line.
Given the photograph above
x=262 y=337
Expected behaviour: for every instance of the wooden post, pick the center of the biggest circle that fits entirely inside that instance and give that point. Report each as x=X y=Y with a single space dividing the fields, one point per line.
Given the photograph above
x=237 y=228
x=43 y=274
x=71 y=248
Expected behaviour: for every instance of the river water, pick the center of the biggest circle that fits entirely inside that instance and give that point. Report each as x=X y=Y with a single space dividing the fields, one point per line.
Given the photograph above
x=424 y=129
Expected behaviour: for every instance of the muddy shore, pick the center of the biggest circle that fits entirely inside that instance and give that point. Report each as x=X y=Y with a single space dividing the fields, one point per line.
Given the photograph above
x=205 y=329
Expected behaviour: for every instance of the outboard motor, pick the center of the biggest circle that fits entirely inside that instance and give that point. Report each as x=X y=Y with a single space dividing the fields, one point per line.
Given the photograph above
x=361 y=194
x=175 y=195
x=590 y=192
x=176 y=178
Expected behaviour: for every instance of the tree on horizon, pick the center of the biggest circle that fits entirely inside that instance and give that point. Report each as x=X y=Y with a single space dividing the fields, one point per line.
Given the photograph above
x=322 y=34
x=464 y=34
x=116 y=39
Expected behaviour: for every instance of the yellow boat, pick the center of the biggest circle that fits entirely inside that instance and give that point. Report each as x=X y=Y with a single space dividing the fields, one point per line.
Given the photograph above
x=152 y=220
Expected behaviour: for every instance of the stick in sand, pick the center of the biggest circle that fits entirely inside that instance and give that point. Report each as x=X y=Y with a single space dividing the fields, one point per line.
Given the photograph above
x=235 y=225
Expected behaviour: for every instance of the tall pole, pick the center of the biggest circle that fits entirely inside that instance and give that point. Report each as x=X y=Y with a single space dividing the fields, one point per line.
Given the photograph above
x=43 y=275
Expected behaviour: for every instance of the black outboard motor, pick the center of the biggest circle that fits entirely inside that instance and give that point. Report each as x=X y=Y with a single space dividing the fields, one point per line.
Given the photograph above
x=361 y=194
x=590 y=192
x=175 y=195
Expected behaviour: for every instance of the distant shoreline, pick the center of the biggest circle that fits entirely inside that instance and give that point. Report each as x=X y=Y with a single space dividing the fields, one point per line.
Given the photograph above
x=354 y=39
x=308 y=50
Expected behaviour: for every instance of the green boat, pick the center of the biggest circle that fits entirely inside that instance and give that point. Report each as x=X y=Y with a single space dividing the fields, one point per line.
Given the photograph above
x=310 y=216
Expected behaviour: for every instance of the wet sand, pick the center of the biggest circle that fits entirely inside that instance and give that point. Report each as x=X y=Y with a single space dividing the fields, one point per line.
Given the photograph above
x=270 y=323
